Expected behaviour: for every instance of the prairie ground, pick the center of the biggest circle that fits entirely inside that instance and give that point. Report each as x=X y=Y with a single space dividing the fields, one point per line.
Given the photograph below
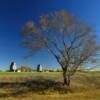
x=49 y=86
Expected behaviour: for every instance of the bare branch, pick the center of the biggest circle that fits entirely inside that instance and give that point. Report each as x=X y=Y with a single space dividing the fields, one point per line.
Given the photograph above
x=71 y=41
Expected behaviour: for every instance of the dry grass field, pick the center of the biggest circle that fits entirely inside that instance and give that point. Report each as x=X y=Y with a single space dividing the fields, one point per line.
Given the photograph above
x=49 y=86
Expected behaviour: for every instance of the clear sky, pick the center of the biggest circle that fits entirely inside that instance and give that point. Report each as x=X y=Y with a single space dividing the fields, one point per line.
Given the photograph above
x=15 y=13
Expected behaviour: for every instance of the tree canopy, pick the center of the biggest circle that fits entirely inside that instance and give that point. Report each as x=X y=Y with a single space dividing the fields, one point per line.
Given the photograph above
x=72 y=42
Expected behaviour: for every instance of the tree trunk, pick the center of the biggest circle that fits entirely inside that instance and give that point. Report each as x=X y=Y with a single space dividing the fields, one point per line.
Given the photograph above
x=66 y=79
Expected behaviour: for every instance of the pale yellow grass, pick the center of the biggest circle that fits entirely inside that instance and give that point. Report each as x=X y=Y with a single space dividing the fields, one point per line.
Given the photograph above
x=87 y=95
x=82 y=88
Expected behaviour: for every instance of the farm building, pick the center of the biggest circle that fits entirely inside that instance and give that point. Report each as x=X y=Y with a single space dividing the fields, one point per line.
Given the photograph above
x=39 y=68
x=13 y=67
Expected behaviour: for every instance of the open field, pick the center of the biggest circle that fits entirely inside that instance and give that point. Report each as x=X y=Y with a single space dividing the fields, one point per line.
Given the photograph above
x=48 y=86
x=34 y=74
x=48 y=74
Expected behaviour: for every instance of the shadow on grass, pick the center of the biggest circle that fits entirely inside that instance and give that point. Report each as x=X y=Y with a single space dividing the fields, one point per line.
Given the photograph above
x=39 y=86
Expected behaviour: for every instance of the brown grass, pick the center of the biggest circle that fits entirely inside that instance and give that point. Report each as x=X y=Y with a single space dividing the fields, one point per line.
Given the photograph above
x=42 y=88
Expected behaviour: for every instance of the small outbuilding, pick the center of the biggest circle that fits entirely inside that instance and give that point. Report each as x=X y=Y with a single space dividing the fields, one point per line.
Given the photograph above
x=13 y=67
x=39 y=68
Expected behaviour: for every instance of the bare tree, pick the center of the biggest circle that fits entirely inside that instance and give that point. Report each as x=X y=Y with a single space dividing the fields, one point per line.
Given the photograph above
x=70 y=41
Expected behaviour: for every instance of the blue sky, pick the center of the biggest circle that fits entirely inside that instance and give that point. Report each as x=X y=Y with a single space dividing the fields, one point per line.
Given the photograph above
x=15 y=13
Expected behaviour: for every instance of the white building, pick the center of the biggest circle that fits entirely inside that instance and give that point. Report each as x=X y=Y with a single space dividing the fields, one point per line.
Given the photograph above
x=39 y=68
x=13 y=67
